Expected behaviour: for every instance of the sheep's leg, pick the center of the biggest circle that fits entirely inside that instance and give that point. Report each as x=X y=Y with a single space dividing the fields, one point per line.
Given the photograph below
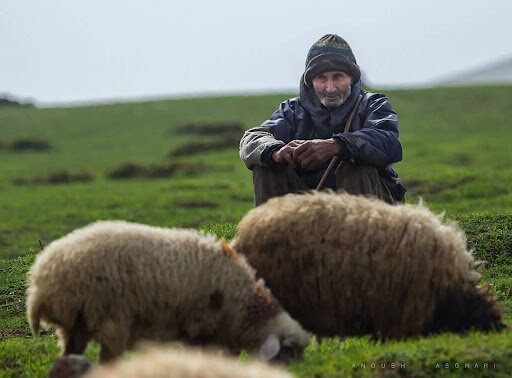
x=75 y=340
x=113 y=338
x=112 y=349
x=106 y=354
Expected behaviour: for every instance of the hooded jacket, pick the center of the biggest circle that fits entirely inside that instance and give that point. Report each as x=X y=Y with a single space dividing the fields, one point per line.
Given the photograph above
x=372 y=139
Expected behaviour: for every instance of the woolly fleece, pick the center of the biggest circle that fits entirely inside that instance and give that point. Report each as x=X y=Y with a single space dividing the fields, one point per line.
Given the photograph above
x=349 y=265
x=185 y=363
x=119 y=282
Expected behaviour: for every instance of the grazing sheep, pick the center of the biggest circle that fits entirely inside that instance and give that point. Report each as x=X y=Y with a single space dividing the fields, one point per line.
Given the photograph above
x=350 y=265
x=168 y=363
x=119 y=282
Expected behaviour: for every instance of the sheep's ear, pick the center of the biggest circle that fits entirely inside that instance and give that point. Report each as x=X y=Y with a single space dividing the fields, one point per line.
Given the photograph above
x=270 y=348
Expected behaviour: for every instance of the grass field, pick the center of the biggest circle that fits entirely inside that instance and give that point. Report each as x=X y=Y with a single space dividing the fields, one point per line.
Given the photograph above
x=456 y=157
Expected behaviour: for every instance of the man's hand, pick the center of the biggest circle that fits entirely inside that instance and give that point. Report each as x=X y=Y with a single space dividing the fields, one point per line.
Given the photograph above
x=312 y=153
x=284 y=155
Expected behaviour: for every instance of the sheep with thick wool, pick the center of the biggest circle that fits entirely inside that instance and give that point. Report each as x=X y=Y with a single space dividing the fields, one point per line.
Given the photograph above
x=118 y=282
x=185 y=363
x=349 y=265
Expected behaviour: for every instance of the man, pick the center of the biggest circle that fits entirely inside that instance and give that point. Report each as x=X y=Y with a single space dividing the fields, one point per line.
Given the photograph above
x=291 y=151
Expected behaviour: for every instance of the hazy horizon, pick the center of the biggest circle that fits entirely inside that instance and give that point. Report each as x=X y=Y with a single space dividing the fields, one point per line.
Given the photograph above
x=87 y=52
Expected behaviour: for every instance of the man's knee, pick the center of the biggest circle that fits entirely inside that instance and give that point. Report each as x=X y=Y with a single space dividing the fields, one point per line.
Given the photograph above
x=274 y=181
x=361 y=179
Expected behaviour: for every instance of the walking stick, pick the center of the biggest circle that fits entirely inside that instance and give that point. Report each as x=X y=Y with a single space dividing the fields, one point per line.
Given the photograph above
x=334 y=159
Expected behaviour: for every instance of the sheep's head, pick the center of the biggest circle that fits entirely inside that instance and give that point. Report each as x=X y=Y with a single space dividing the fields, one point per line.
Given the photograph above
x=464 y=308
x=285 y=340
x=71 y=365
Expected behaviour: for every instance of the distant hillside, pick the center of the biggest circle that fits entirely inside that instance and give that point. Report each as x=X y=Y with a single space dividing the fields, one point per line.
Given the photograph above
x=9 y=100
x=499 y=72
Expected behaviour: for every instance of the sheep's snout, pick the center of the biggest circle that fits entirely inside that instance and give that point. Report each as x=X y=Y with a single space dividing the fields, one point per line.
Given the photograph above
x=284 y=351
x=290 y=351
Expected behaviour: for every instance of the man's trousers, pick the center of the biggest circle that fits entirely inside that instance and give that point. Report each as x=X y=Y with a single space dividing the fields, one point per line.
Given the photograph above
x=278 y=180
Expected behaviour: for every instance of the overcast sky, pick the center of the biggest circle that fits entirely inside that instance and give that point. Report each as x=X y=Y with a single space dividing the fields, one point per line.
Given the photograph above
x=83 y=50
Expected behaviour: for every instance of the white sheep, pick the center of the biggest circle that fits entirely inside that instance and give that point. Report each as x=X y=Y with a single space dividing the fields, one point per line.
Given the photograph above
x=172 y=363
x=350 y=265
x=119 y=282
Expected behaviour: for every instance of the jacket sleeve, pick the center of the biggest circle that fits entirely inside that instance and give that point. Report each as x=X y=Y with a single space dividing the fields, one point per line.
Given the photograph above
x=376 y=142
x=258 y=143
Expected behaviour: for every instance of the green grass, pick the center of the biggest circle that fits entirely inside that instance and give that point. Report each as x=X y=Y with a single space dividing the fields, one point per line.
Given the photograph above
x=22 y=357
x=422 y=357
x=456 y=158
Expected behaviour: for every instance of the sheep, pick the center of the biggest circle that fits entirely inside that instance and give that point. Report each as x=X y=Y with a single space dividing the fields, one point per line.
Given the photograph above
x=184 y=363
x=350 y=265
x=70 y=366
x=118 y=282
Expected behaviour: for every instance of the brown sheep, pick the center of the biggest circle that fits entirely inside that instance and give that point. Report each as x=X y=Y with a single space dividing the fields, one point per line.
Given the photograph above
x=119 y=282
x=350 y=265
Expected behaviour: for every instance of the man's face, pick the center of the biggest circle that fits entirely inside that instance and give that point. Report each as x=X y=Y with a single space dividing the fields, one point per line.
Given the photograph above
x=332 y=88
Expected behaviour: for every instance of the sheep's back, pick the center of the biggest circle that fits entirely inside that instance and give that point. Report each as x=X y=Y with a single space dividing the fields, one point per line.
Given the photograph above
x=120 y=267
x=344 y=264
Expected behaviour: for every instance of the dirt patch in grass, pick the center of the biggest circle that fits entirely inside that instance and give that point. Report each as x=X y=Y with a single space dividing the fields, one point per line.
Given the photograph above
x=414 y=183
x=29 y=144
x=242 y=198
x=191 y=148
x=60 y=177
x=219 y=128
x=161 y=170
x=421 y=187
x=112 y=205
x=194 y=169
x=452 y=185
x=199 y=187
x=130 y=170
x=460 y=159
x=127 y=170
x=489 y=192
x=196 y=204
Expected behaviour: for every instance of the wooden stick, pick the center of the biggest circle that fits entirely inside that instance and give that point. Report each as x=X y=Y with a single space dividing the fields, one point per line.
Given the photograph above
x=335 y=158
x=326 y=173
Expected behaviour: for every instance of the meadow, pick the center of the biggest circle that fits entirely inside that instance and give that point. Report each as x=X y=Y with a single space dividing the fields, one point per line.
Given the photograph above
x=57 y=175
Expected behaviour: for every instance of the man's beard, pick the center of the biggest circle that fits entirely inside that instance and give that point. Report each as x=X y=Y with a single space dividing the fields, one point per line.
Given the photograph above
x=340 y=96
